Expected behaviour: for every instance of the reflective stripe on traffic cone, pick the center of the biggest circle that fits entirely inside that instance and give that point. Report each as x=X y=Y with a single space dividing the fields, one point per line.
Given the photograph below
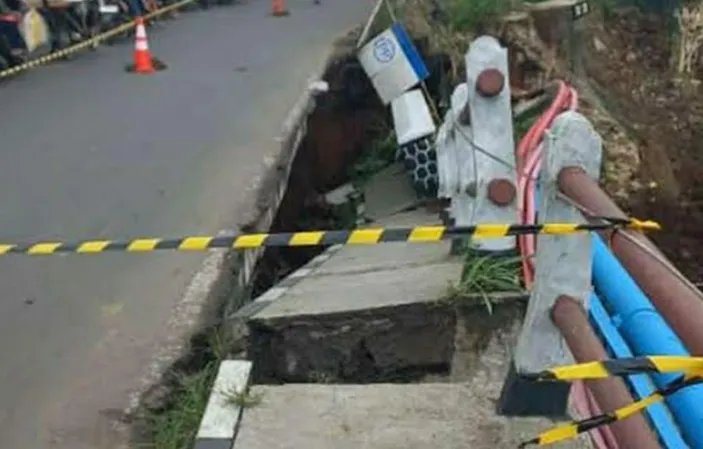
x=143 y=61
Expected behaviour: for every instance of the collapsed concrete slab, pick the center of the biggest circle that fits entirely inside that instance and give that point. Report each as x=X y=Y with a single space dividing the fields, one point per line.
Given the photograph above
x=360 y=316
x=456 y=415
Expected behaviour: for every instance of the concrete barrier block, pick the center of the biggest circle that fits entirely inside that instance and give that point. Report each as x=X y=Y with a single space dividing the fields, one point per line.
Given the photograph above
x=218 y=426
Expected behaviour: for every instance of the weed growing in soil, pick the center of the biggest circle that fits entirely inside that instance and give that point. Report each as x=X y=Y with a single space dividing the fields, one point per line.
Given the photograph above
x=243 y=399
x=177 y=426
x=174 y=424
x=483 y=275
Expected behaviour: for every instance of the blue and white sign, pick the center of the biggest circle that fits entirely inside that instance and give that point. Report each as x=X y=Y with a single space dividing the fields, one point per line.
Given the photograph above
x=392 y=63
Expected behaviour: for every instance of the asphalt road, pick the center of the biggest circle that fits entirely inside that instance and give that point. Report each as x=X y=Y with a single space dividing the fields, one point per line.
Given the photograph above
x=88 y=150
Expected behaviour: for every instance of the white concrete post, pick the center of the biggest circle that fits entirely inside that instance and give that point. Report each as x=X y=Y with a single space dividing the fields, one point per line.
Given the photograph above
x=455 y=161
x=493 y=147
x=563 y=267
x=481 y=186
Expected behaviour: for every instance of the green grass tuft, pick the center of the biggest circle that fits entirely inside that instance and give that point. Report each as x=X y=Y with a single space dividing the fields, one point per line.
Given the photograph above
x=483 y=275
x=243 y=399
x=176 y=427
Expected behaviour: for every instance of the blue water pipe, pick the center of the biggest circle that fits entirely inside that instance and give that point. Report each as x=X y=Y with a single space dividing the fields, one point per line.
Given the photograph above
x=647 y=333
x=640 y=384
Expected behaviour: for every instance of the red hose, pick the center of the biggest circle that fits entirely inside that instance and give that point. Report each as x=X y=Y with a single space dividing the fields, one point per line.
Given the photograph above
x=529 y=157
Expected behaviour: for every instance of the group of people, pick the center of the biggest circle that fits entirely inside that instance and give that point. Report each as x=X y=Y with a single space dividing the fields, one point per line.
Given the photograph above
x=29 y=28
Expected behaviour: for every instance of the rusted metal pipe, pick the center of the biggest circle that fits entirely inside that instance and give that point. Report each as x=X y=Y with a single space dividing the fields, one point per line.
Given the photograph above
x=501 y=191
x=490 y=83
x=679 y=303
x=610 y=393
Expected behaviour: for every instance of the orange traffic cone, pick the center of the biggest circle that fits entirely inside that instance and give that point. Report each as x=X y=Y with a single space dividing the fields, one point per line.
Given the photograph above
x=143 y=62
x=278 y=8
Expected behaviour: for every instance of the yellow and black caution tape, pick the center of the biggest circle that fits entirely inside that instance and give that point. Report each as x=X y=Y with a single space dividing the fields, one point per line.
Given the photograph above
x=571 y=430
x=620 y=367
x=692 y=367
x=368 y=236
x=89 y=42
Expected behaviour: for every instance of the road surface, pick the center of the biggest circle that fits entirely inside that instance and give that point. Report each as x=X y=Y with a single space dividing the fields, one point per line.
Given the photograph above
x=89 y=150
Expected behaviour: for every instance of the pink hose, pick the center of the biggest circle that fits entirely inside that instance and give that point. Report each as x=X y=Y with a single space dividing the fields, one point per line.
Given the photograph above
x=528 y=165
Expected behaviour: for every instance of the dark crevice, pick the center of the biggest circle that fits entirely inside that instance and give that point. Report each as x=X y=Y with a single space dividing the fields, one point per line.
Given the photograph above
x=337 y=130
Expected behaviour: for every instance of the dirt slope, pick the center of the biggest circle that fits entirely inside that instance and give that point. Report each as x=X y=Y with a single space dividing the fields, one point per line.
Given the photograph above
x=628 y=64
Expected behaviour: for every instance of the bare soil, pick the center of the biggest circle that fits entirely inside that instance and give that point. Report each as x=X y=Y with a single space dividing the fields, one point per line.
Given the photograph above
x=661 y=114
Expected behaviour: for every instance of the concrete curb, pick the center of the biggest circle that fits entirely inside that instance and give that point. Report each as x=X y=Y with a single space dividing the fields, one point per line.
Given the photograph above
x=220 y=421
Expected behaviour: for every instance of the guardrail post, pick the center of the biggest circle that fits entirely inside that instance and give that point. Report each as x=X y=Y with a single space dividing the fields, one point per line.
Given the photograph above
x=493 y=146
x=454 y=161
x=563 y=267
x=475 y=147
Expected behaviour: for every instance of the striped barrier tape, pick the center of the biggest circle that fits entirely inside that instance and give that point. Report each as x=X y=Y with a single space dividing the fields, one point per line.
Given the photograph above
x=620 y=367
x=89 y=42
x=367 y=236
x=692 y=367
x=571 y=430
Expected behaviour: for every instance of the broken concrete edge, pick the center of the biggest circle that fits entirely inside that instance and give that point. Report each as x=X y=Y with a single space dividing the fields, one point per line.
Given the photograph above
x=340 y=345
x=277 y=291
x=470 y=300
x=362 y=346
x=270 y=323
x=218 y=426
x=213 y=286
